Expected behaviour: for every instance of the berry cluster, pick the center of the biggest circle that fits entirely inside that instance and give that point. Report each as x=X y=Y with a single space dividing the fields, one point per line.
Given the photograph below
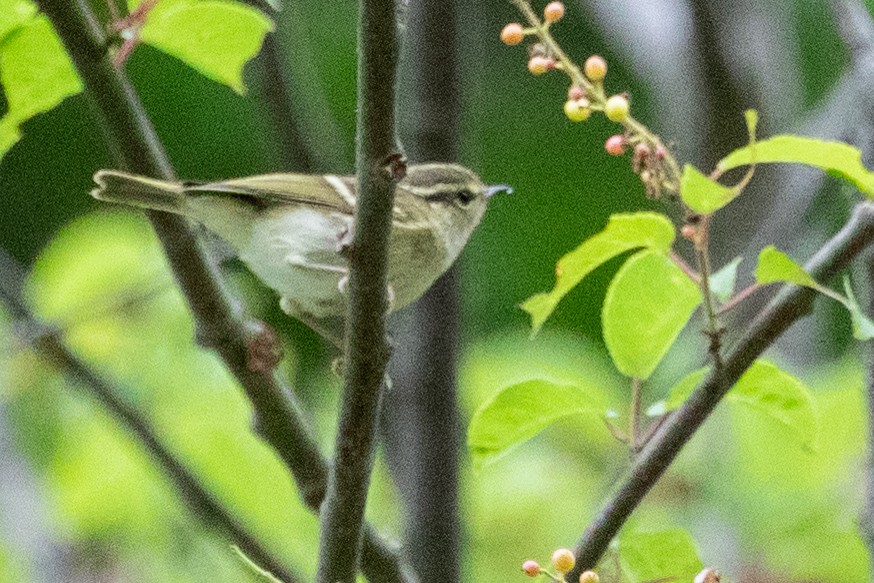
x=650 y=159
x=562 y=561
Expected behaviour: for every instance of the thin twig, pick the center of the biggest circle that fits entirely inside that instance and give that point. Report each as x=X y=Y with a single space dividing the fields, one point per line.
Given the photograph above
x=379 y=165
x=219 y=321
x=792 y=303
x=48 y=343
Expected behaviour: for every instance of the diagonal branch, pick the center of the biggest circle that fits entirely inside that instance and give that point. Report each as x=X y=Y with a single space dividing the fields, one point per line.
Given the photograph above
x=791 y=304
x=220 y=323
x=199 y=500
x=379 y=165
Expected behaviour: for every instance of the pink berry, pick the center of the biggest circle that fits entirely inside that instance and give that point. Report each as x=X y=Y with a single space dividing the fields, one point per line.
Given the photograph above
x=595 y=68
x=553 y=12
x=563 y=560
x=615 y=145
x=512 y=34
x=531 y=568
x=575 y=93
x=538 y=65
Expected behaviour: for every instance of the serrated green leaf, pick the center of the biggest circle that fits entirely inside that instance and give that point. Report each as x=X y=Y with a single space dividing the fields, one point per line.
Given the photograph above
x=703 y=194
x=647 y=304
x=36 y=75
x=723 y=281
x=623 y=233
x=14 y=13
x=833 y=157
x=213 y=36
x=521 y=411
x=863 y=327
x=774 y=266
x=655 y=556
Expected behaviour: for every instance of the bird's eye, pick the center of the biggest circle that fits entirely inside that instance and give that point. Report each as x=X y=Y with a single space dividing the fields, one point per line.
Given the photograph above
x=465 y=197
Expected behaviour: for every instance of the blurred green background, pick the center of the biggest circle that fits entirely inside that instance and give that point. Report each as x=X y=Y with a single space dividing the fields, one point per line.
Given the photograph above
x=79 y=500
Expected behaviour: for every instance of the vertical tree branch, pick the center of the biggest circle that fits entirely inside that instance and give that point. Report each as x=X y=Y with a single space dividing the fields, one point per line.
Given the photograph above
x=422 y=418
x=219 y=321
x=378 y=165
x=202 y=504
x=792 y=303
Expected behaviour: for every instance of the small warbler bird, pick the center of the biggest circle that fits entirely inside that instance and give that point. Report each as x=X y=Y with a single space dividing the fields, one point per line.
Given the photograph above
x=291 y=229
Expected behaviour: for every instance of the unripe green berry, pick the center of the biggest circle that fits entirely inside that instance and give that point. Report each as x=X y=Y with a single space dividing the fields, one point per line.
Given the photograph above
x=595 y=68
x=531 y=568
x=512 y=34
x=538 y=65
x=563 y=560
x=577 y=110
x=616 y=108
x=553 y=12
x=589 y=577
x=615 y=145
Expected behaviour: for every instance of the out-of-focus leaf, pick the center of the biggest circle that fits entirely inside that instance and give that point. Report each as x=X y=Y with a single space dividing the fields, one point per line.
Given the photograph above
x=647 y=304
x=723 y=281
x=519 y=412
x=215 y=37
x=836 y=158
x=623 y=233
x=653 y=556
x=703 y=194
x=774 y=266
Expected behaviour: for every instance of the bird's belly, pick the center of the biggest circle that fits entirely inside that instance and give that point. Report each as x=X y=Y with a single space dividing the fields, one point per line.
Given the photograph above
x=297 y=254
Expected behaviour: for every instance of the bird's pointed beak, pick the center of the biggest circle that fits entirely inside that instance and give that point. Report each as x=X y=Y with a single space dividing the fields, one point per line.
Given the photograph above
x=494 y=189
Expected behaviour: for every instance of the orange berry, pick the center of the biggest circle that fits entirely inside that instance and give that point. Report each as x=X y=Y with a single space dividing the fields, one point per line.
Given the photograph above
x=616 y=108
x=531 y=568
x=553 y=12
x=512 y=34
x=595 y=68
x=589 y=577
x=615 y=145
x=563 y=560
x=538 y=65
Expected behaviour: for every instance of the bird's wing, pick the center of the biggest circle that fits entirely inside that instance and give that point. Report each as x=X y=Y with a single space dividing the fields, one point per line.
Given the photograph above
x=333 y=192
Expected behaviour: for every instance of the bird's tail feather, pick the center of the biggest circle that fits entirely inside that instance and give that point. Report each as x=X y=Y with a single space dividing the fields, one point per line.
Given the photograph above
x=122 y=188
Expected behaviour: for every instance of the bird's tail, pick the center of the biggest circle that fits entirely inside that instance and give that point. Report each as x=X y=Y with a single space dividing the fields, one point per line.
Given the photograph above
x=122 y=188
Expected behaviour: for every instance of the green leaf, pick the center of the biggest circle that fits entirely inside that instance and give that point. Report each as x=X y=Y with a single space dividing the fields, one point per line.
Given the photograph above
x=701 y=193
x=521 y=411
x=215 y=37
x=781 y=396
x=863 y=327
x=763 y=387
x=835 y=158
x=679 y=392
x=648 y=303
x=723 y=281
x=655 y=556
x=623 y=233
x=14 y=13
x=774 y=266
x=36 y=75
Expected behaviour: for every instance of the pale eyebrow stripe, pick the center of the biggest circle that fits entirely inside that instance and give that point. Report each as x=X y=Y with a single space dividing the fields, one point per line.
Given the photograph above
x=341 y=187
